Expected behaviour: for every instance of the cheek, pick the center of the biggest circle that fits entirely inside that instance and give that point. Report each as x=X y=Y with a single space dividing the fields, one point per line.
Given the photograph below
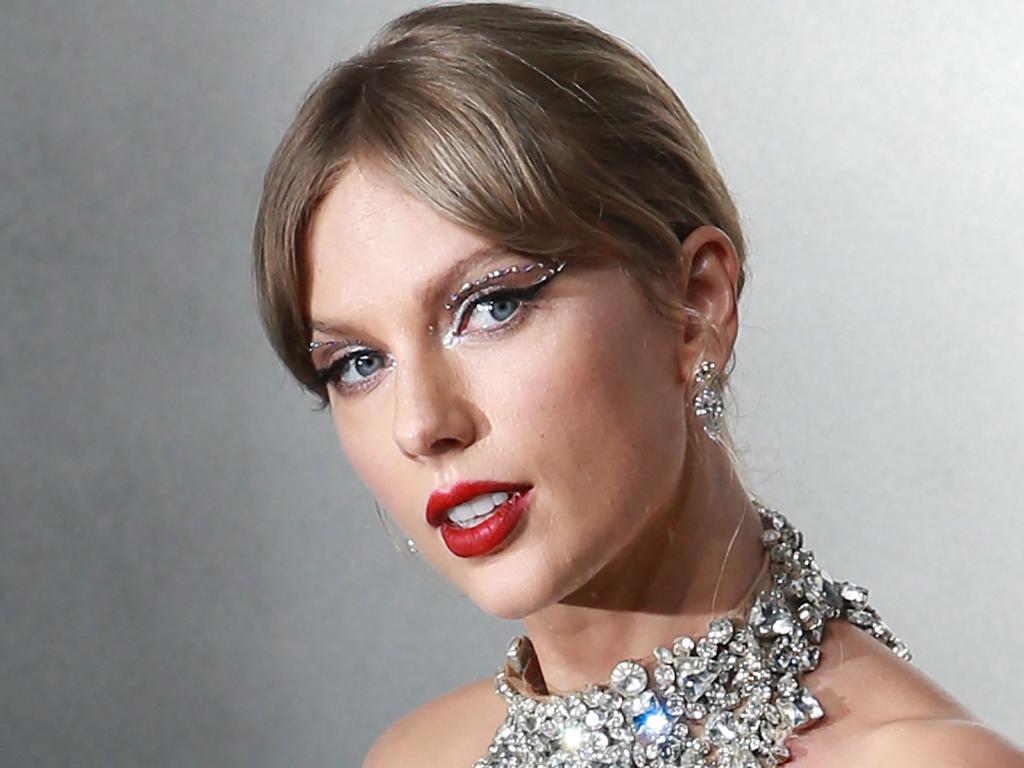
x=598 y=406
x=365 y=444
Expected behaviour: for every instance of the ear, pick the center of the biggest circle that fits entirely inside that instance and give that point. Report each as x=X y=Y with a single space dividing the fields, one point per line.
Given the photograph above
x=710 y=292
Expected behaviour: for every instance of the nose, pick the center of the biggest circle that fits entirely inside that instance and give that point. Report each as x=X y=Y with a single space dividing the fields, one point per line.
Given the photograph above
x=431 y=413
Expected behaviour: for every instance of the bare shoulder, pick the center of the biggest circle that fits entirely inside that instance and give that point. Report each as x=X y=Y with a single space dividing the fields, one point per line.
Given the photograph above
x=940 y=744
x=454 y=729
x=856 y=668
x=888 y=713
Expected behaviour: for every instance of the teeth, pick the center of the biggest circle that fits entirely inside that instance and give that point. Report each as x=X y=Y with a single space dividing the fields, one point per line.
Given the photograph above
x=471 y=512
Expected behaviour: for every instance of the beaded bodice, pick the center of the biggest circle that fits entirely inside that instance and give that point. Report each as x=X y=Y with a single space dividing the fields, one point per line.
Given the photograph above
x=729 y=699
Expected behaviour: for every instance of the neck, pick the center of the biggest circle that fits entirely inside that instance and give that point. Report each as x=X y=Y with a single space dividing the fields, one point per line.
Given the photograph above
x=695 y=560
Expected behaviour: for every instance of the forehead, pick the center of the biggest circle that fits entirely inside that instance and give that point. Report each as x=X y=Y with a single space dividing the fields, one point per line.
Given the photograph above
x=368 y=233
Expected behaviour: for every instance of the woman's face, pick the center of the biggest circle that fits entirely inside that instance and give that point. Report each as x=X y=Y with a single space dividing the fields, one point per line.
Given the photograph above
x=577 y=392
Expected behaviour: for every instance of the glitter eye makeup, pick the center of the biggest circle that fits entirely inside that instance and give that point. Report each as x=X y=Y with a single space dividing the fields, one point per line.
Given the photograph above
x=505 y=306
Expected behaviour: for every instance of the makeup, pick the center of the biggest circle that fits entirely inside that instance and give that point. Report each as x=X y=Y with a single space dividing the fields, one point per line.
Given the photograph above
x=442 y=501
x=517 y=284
x=488 y=535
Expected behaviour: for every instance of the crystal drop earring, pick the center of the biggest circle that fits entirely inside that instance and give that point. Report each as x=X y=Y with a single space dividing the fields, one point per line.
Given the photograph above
x=408 y=545
x=708 y=404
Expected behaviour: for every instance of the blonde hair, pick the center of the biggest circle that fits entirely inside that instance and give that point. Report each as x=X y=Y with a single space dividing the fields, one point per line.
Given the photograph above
x=526 y=125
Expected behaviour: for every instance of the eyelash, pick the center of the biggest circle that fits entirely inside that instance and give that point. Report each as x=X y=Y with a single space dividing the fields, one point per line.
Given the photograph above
x=331 y=374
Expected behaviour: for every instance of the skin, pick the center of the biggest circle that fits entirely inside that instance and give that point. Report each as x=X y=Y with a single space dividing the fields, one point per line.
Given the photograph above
x=639 y=530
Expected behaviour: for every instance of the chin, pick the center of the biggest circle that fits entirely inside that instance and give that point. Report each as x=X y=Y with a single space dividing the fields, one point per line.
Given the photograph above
x=510 y=604
x=539 y=567
x=511 y=610
x=516 y=585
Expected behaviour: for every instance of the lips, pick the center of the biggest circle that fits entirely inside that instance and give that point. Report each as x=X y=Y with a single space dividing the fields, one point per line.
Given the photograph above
x=488 y=535
x=442 y=500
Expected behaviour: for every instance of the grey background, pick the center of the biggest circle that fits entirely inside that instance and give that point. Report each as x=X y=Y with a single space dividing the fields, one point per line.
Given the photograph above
x=192 y=575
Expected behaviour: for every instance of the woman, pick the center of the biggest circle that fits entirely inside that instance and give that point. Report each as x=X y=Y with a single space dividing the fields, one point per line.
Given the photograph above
x=497 y=247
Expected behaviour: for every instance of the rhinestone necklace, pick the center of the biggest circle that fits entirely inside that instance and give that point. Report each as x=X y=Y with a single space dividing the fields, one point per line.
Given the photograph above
x=730 y=699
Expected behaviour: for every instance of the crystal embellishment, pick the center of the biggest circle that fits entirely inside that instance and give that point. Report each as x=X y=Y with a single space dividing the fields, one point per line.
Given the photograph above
x=628 y=678
x=708 y=404
x=730 y=699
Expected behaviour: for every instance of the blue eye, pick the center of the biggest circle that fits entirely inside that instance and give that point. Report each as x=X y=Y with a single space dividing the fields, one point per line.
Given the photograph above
x=361 y=361
x=498 y=306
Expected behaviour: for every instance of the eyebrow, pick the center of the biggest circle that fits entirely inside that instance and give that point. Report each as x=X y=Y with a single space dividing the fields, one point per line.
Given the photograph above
x=438 y=283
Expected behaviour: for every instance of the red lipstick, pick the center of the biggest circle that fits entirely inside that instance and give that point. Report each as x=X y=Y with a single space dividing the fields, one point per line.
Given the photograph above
x=487 y=535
